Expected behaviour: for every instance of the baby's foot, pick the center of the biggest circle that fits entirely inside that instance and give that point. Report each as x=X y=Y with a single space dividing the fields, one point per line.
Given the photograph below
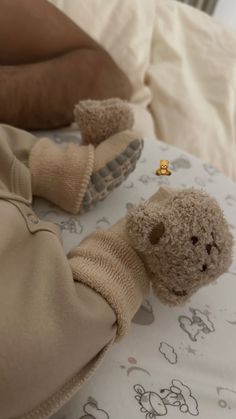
x=115 y=159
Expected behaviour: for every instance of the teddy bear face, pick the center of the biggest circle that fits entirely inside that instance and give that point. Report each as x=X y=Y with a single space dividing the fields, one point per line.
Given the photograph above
x=164 y=164
x=184 y=241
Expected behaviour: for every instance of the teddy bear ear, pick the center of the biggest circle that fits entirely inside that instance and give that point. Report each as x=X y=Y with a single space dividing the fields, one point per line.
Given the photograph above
x=144 y=226
x=163 y=192
x=138 y=225
x=156 y=233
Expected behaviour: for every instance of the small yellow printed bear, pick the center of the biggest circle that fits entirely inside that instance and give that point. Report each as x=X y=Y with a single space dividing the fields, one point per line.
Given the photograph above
x=163 y=169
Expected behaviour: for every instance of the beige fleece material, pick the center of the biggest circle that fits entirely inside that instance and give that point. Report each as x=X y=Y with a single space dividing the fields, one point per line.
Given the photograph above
x=100 y=119
x=108 y=264
x=61 y=175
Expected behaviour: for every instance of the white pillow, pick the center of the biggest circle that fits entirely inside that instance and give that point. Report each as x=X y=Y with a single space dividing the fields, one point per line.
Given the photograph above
x=192 y=76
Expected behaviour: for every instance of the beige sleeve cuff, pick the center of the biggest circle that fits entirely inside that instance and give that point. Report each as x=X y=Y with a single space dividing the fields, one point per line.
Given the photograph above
x=111 y=267
x=61 y=175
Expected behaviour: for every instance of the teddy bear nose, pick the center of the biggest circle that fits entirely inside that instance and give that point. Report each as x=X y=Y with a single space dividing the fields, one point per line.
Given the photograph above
x=204 y=268
x=208 y=248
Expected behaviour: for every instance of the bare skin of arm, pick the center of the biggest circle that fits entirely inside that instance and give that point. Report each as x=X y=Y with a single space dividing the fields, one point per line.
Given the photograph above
x=48 y=64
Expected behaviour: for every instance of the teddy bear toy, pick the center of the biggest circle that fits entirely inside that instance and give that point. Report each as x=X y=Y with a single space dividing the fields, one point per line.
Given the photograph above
x=163 y=169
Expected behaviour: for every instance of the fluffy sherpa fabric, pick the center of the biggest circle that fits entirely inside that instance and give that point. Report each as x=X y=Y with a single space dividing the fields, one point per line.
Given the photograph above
x=98 y=120
x=76 y=177
x=183 y=239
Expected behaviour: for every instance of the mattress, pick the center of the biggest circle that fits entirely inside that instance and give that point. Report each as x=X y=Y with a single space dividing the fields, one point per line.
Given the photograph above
x=175 y=362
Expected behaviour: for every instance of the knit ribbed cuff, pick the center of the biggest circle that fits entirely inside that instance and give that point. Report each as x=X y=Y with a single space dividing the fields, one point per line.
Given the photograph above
x=111 y=267
x=61 y=175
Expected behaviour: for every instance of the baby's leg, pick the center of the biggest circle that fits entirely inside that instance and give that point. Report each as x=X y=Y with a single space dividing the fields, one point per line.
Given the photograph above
x=58 y=316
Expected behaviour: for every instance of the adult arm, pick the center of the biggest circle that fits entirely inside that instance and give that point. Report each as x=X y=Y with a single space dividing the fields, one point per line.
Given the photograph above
x=48 y=64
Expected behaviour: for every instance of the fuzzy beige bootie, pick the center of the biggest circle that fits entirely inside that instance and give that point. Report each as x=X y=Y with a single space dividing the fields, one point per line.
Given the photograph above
x=177 y=241
x=183 y=240
x=76 y=177
x=98 y=120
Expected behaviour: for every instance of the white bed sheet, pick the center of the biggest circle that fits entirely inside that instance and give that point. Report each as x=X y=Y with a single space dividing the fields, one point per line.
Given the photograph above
x=169 y=351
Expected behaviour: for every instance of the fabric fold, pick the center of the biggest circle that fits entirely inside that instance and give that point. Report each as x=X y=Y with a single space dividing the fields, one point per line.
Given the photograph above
x=61 y=175
x=109 y=265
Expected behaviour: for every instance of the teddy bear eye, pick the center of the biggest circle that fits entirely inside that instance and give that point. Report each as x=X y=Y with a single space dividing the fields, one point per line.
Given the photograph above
x=156 y=233
x=194 y=239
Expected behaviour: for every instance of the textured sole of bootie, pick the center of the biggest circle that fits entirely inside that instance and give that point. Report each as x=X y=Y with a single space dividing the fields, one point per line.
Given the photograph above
x=103 y=181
